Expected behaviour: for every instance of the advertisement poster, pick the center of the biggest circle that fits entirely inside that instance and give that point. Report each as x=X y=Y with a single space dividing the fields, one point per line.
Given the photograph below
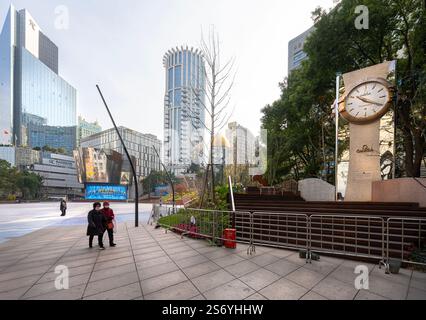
x=106 y=192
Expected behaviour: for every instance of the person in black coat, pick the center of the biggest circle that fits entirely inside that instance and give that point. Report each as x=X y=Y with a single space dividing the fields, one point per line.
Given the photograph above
x=63 y=207
x=97 y=225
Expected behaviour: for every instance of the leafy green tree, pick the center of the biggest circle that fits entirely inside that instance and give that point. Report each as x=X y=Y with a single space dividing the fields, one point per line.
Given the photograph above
x=12 y=181
x=30 y=185
x=300 y=124
x=397 y=31
x=156 y=178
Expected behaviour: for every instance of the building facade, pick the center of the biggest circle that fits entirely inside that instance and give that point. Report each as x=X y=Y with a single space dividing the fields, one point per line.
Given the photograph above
x=59 y=175
x=295 y=50
x=58 y=171
x=138 y=144
x=184 y=102
x=242 y=145
x=86 y=129
x=38 y=107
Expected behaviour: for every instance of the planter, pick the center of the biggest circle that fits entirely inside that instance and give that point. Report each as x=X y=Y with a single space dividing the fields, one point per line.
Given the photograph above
x=394 y=266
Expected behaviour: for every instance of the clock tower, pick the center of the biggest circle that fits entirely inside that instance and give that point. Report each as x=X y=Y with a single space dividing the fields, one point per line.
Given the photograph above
x=368 y=96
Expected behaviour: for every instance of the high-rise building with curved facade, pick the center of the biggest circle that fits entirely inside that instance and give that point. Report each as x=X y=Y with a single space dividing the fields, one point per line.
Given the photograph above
x=184 y=103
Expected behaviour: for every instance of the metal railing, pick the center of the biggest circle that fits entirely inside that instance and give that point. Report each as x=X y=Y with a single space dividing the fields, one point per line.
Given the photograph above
x=159 y=211
x=281 y=230
x=359 y=236
x=404 y=236
x=199 y=223
x=349 y=235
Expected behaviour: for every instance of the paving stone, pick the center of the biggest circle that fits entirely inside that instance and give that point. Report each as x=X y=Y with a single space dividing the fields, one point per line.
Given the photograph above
x=212 y=280
x=48 y=287
x=228 y=260
x=191 y=261
x=200 y=269
x=295 y=259
x=234 y=290
x=184 y=255
x=367 y=295
x=111 y=272
x=387 y=288
x=111 y=283
x=259 y=279
x=334 y=289
x=5 y=276
x=264 y=259
x=242 y=268
x=13 y=294
x=304 y=277
x=416 y=294
x=282 y=267
x=150 y=272
x=51 y=275
x=313 y=296
x=153 y=262
x=151 y=255
x=163 y=281
x=129 y=292
x=281 y=253
x=283 y=289
x=10 y=285
x=74 y=293
x=256 y=296
x=322 y=267
x=181 y=291
x=113 y=263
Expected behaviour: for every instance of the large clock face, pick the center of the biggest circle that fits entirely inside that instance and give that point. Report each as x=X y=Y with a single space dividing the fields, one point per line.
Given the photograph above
x=367 y=101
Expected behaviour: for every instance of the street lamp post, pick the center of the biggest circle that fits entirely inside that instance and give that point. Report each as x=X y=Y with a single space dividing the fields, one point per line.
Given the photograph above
x=135 y=179
x=336 y=155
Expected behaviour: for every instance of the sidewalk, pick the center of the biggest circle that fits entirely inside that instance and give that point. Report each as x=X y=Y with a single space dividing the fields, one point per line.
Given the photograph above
x=151 y=264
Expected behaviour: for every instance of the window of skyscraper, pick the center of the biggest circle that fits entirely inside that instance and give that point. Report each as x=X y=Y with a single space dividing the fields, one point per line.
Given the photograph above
x=178 y=97
x=178 y=73
x=170 y=78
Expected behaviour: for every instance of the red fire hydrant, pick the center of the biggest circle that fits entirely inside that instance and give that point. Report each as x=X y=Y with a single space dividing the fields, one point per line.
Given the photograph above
x=230 y=236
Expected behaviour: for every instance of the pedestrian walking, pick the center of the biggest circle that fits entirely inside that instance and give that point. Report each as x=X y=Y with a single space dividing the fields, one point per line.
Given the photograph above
x=63 y=207
x=97 y=225
x=109 y=215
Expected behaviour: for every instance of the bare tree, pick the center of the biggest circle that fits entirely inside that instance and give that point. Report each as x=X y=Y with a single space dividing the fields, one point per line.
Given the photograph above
x=219 y=81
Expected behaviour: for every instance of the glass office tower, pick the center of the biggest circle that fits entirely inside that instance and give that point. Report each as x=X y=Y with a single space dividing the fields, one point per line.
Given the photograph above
x=39 y=107
x=184 y=120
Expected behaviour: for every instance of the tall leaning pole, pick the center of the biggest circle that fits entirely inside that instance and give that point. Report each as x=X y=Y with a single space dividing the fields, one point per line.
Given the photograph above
x=336 y=142
x=135 y=180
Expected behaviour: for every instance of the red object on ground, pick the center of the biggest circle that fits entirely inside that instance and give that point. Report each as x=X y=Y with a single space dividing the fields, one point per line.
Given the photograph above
x=230 y=235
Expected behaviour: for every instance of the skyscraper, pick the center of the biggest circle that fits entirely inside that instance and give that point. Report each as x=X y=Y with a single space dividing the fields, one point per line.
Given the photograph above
x=184 y=102
x=86 y=129
x=37 y=106
x=295 y=50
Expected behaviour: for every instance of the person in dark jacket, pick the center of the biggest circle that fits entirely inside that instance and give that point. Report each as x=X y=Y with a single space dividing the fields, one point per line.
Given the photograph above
x=109 y=215
x=63 y=207
x=97 y=225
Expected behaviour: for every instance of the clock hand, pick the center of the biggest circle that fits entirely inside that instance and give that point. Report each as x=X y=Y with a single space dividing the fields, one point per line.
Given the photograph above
x=369 y=101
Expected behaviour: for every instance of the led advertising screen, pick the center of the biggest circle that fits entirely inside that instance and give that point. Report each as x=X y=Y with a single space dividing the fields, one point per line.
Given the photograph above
x=102 y=166
x=106 y=192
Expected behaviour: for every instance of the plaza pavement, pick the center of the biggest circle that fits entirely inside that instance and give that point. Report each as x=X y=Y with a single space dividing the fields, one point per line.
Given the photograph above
x=151 y=264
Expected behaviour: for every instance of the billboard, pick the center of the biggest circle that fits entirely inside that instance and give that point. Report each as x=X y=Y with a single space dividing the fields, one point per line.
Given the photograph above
x=102 y=166
x=106 y=192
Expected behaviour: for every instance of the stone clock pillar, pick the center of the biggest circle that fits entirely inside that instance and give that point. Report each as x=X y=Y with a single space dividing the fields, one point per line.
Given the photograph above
x=364 y=131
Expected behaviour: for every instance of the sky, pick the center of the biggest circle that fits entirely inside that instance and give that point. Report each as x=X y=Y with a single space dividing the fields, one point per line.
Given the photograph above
x=120 y=46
